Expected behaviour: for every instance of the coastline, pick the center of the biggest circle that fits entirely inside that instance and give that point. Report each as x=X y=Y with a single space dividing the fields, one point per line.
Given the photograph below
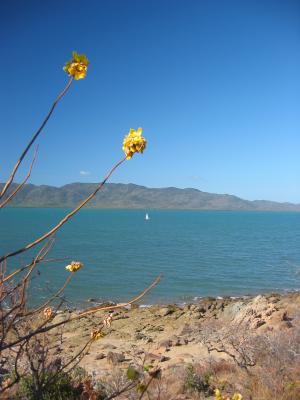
x=172 y=335
x=183 y=302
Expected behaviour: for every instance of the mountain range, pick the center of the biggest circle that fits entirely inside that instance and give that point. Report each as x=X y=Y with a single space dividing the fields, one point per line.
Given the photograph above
x=118 y=195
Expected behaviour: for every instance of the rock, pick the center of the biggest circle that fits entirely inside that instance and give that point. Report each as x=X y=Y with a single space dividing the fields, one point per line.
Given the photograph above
x=164 y=358
x=163 y=312
x=285 y=317
x=186 y=330
x=91 y=300
x=254 y=313
x=198 y=315
x=152 y=357
x=258 y=323
x=108 y=346
x=175 y=340
x=142 y=336
x=158 y=328
x=164 y=344
x=179 y=314
x=183 y=341
x=123 y=316
x=172 y=341
x=115 y=358
x=100 y=356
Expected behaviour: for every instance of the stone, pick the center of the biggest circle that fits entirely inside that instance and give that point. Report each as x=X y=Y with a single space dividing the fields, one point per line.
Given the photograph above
x=164 y=358
x=165 y=344
x=186 y=330
x=108 y=346
x=115 y=358
x=163 y=312
x=152 y=357
x=100 y=356
x=258 y=323
x=142 y=336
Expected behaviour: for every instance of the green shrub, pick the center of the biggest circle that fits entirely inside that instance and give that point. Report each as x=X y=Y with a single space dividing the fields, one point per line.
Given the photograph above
x=49 y=386
x=195 y=382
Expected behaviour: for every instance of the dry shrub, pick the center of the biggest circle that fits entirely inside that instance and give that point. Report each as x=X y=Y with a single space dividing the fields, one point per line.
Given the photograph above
x=277 y=374
x=263 y=366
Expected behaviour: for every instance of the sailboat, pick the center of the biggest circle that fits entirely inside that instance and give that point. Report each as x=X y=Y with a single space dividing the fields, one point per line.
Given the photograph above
x=147 y=217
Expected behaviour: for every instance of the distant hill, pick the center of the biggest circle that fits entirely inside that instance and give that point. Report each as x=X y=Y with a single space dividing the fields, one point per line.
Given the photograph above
x=117 y=195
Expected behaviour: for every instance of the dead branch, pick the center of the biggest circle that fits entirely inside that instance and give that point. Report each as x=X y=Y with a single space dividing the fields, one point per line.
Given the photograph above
x=12 y=175
x=44 y=329
x=65 y=219
x=19 y=187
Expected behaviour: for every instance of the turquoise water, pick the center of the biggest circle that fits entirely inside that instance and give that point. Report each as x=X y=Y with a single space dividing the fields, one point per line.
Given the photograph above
x=199 y=253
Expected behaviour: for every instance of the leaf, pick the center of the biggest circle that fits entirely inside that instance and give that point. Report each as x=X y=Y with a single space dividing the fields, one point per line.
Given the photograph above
x=141 y=387
x=132 y=374
x=147 y=367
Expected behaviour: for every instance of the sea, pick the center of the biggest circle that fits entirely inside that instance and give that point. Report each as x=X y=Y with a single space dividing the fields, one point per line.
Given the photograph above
x=198 y=253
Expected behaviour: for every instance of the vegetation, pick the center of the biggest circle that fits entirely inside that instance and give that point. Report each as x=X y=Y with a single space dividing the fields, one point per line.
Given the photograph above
x=254 y=366
x=30 y=366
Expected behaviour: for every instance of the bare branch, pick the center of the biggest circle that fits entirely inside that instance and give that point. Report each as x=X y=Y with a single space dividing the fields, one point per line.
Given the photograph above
x=65 y=219
x=19 y=187
x=44 y=328
x=13 y=173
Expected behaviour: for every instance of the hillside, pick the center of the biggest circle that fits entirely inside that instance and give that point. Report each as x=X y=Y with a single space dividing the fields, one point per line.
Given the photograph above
x=117 y=195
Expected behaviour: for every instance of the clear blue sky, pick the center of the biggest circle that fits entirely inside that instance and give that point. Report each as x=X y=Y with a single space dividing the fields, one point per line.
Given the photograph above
x=214 y=84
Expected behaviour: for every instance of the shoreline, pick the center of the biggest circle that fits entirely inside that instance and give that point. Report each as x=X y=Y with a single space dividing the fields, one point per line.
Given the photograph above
x=182 y=303
x=172 y=335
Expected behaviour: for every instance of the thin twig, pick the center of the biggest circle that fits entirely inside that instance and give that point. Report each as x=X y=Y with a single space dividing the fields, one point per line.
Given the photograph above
x=146 y=388
x=13 y=173
x=84 y=313
x=52 y=297
x=19 y=187
x=66 y=218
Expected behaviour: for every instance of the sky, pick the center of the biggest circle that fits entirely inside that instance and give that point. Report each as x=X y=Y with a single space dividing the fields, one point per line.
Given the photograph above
x=215 y=85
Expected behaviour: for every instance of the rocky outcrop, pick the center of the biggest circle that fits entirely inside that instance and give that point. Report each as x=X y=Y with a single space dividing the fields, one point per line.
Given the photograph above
x=173 y=335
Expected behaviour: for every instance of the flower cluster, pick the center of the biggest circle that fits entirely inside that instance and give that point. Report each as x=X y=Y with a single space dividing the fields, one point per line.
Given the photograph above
x=48 y=312
x=97 y=334
x=107 y=320
x=218 y=396
x=77 y=67
x=74 y=266
x=134 y=142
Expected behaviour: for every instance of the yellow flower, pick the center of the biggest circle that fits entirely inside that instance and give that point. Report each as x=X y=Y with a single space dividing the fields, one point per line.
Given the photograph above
x=97 y=334
x=218 y=395
x=77 y=67
x=48 y=312
x=74 y=266
x=134 y=142
x=107 y=321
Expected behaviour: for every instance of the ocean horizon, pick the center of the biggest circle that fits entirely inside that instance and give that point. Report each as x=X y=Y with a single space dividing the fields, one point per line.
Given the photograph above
x=199 y=253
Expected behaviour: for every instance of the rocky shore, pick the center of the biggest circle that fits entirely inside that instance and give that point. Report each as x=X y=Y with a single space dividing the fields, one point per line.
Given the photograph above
x=171 y=335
